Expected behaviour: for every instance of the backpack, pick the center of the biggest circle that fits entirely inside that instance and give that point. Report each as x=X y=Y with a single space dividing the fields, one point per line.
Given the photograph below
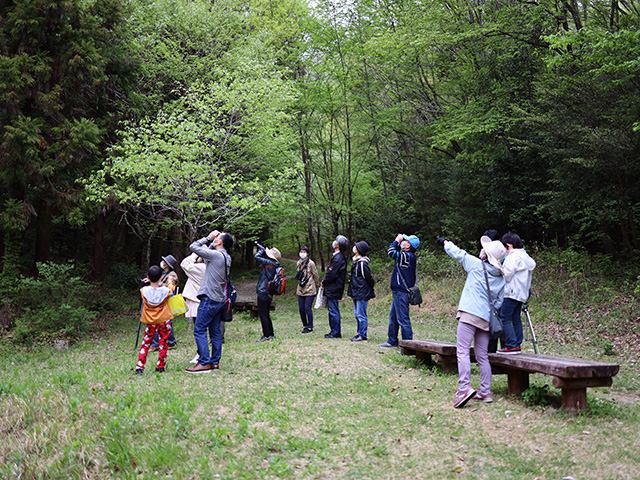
x=278 y=284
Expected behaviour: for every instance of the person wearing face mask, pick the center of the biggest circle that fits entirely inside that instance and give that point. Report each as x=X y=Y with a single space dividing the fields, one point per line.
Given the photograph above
x=402 y=251
x=308 y=284
x=168 y=265
x=361 y=288
x=333 y=284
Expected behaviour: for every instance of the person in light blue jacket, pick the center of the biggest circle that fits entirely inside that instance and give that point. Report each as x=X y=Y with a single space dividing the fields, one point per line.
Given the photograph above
x=474 y=314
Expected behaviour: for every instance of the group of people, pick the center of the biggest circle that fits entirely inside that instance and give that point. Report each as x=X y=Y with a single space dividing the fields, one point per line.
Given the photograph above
x=499 y=278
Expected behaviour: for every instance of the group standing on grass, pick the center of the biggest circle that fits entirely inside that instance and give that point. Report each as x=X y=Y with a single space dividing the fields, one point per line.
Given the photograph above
x=501 y=274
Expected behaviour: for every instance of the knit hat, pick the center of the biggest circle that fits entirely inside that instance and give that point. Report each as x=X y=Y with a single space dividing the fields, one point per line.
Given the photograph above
x=171 y=261
x=273 y=253
x=495 y=251
x=362 y=247
x=413 y=240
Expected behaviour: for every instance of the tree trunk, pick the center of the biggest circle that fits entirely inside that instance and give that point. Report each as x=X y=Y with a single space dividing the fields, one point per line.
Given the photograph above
x=98 y=270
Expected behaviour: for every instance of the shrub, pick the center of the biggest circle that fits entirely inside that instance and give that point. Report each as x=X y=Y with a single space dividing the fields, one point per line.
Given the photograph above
x=52 y=305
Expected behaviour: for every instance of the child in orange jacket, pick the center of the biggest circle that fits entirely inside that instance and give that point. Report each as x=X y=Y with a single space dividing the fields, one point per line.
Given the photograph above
x=157 y=315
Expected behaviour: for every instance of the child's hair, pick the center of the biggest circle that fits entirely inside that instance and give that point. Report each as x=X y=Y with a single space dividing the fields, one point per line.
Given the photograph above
x=154 y=274
x=512 y=238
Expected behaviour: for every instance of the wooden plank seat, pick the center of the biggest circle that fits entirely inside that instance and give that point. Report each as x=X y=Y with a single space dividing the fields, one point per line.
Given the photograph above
x=252 y=307
x=571 y=375
x=444 y=353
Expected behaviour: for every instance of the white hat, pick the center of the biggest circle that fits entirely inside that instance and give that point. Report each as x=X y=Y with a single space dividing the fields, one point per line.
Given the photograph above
x=495 y=251
x=273 y=253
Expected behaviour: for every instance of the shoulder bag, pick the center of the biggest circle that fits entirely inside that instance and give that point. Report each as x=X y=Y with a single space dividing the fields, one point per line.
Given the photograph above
x=495 y=324
x=230 y=297
x=415 y=297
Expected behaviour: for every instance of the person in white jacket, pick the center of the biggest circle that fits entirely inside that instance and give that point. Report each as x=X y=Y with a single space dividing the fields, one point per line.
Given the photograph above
x=517 y=269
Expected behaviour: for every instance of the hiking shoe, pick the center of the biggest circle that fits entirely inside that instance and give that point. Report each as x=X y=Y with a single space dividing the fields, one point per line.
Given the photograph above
x=154 y=349
x=463 y=397
x=264 y=339
x=331 y=335
x=359 y=338
x=510 y=351
x=387 y=345
x=160 y=369
x=171 y=347
x=307 y=330
x=483 y=398
x=139 y=371
x=199 y=369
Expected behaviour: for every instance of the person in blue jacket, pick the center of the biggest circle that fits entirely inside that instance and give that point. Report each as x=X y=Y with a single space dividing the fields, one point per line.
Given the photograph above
x=333 y=284
x=361 y=288
x=402 y=251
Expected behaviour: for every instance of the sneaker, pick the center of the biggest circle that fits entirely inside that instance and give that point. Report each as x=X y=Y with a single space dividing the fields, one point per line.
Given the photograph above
x=330 y=335
x=387 y=345
x=194 y=360
x=359 y=338
x=307 y=330
x=264 y=339
x=171 y=347
x=510 y=351
x=463 y=397
x=154 y=349
x=199 y=368
x=483 y=398
x=160 y=370
x=139 y=371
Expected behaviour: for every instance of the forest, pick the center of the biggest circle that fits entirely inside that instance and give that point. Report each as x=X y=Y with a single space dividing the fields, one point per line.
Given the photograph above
x=130 y=128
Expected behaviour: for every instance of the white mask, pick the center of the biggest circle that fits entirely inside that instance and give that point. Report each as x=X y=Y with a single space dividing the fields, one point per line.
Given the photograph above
x=355 y=250
x=303 y=255
x=333 y=244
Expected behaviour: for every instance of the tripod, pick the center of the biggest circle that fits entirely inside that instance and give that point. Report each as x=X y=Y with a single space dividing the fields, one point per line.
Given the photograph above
x=529 y=327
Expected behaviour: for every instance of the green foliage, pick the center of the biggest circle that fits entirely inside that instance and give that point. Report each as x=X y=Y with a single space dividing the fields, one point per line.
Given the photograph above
x=52 y=306
x=536 y=395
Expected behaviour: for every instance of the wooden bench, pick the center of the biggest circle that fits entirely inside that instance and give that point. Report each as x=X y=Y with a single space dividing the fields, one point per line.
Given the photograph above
x=252 y=307
x=444 y=353
x=571 y=375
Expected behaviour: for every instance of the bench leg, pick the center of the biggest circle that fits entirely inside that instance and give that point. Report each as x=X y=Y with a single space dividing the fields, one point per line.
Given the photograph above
x=517 y=380
x=424 y=357
x=448 y=363
x=574 y=399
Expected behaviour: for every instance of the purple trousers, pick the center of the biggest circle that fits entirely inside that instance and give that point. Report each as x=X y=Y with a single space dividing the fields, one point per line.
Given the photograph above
x=467 y=333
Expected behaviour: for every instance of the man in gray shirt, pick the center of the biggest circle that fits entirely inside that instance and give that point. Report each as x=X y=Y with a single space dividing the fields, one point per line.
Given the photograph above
x=212 y=298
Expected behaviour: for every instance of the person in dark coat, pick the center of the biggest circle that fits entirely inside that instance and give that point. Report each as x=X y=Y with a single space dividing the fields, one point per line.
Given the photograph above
x=360 y=288
x=333 y=284
x=268 y=260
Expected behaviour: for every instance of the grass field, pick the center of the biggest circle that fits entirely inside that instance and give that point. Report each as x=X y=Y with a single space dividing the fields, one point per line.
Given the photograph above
x=302 y=407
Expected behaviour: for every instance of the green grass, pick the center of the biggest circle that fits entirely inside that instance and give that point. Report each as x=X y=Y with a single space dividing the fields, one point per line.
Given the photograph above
x=301 y=407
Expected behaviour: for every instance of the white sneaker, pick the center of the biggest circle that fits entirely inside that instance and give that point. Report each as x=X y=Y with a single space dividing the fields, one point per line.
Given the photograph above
x=195 y=359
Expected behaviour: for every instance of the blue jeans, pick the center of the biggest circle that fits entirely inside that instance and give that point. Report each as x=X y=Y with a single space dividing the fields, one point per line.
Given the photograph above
x=208 y=319
x=334 y=316
x=511 y=323
x=399 y=317
x=305 y=307
x=360 y=312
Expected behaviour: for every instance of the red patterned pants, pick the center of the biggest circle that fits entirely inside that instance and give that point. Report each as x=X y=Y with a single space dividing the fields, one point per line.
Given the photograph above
x=164 y=330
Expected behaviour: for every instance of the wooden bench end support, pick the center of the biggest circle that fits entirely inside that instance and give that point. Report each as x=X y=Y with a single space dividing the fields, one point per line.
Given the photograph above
x=574 y=391
x=517 y=380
